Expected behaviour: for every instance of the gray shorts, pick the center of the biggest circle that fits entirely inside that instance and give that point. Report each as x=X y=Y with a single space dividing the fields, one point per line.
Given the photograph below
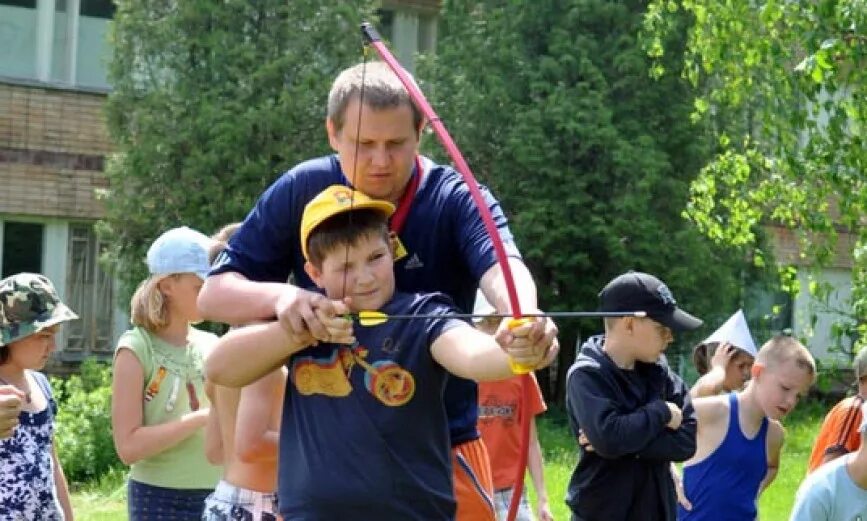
x=502 y=500
x=231 y=503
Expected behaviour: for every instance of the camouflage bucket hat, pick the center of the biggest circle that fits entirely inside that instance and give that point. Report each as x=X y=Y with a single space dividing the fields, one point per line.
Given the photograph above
x=29 y=303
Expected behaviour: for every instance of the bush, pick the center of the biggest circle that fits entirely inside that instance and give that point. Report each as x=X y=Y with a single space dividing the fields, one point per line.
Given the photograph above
x=83 y=424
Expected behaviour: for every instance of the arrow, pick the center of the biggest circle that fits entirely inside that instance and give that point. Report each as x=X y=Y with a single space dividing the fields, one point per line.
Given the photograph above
x=375 y=318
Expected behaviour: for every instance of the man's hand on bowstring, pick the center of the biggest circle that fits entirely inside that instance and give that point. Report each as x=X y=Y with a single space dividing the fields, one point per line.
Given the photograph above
x=337 y=324
x=533 y=343
x=297 y=309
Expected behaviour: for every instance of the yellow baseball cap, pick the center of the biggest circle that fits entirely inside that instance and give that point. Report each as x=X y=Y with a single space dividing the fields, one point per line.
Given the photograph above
x=335 y=200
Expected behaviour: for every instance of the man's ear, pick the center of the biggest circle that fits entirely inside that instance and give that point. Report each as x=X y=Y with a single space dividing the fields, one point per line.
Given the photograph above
x=332 y=131
x=314 y=274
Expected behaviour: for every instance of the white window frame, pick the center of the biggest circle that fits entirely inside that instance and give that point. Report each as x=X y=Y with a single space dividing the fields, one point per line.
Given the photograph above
x=55 y=266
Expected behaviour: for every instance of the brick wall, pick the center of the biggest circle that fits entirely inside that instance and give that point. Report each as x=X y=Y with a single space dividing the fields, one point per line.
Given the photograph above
x=52 y=148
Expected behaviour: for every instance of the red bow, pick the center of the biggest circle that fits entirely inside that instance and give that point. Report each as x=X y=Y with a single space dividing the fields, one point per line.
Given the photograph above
x=373 y=38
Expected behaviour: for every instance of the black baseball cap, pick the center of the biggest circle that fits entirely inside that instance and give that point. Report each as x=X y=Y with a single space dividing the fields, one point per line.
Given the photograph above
x=636 y=291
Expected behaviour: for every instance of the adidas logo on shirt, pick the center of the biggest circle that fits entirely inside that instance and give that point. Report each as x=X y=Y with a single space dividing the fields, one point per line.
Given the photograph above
x=413 y=263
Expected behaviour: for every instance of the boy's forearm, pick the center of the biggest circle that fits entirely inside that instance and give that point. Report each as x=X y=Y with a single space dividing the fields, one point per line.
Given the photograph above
x=536 y=464
x=244 y=355
x=233 y=299
x=487 y=364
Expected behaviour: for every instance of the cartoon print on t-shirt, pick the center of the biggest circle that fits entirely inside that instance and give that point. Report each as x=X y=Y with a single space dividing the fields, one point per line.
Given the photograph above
x=384 y=379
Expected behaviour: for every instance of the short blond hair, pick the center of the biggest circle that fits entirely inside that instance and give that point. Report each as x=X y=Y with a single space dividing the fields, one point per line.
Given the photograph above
x=784 y=348
x=381 y=88
x=149 y=307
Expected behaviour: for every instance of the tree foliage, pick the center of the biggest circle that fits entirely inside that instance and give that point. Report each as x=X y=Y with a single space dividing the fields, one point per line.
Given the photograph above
x=555 y=109
x=210 y=102
x=784 y=86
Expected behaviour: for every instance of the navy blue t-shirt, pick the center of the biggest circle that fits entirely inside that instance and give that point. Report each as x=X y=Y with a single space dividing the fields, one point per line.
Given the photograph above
x=448 y=249
x=364 y=433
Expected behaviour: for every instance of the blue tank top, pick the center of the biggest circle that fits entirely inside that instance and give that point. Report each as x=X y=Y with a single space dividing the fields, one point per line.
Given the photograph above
x=724 y=486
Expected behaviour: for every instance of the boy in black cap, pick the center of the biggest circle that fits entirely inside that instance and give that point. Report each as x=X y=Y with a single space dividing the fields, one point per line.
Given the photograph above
x=631 y=413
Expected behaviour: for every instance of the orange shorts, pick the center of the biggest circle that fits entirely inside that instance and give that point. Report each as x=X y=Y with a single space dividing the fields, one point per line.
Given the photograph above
x=474 y=487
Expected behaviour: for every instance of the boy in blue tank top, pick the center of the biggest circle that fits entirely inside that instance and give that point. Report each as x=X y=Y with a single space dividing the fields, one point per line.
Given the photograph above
x=364 y=433
x=738 y=451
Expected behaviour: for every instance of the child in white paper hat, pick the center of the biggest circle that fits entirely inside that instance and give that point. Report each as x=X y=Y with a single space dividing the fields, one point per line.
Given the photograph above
x=725 y=358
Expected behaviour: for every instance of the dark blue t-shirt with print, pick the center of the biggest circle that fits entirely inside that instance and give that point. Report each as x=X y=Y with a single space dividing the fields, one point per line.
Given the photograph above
x=364 y=433
x=448 y=249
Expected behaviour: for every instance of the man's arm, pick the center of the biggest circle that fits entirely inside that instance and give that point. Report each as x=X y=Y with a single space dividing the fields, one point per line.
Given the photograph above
x=543 y=333
x=611 y=433
x=232 y=298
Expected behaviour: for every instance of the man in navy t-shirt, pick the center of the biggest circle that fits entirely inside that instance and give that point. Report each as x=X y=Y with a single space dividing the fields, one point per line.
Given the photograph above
x=442 y=245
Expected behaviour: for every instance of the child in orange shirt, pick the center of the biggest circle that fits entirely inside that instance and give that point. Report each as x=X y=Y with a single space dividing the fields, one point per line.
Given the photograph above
x=839 y=432
x=500 y=415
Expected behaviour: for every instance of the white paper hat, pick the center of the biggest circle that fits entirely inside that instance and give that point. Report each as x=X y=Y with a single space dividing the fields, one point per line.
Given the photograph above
x=736 y=332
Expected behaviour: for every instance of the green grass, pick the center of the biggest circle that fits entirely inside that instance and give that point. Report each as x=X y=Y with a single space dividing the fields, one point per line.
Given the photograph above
x=106 y=500
x=775 y=504
x=103 y=500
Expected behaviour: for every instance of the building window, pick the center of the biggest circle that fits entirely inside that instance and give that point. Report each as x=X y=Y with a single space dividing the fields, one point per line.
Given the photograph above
x=22 y=248
x=90 y=293
x=17 y=38
x=58 y=41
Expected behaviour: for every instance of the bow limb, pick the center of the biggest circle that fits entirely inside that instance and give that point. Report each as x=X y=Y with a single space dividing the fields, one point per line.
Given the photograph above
x=373 y=39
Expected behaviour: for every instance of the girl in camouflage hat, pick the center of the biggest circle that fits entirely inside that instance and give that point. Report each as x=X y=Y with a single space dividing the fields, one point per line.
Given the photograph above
x=32 y=483
x=159 y=407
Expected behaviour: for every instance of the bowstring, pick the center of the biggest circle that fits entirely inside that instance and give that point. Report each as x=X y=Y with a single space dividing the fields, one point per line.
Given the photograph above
x=364 y=51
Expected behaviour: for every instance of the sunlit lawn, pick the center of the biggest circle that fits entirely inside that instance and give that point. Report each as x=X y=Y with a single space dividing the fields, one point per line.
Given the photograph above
x=106 y=500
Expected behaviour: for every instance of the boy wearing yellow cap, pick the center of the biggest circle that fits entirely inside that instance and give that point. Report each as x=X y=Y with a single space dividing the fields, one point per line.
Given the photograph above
x=364 y=432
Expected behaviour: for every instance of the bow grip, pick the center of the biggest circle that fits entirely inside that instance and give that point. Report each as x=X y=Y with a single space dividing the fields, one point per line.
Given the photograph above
x=518 y=368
